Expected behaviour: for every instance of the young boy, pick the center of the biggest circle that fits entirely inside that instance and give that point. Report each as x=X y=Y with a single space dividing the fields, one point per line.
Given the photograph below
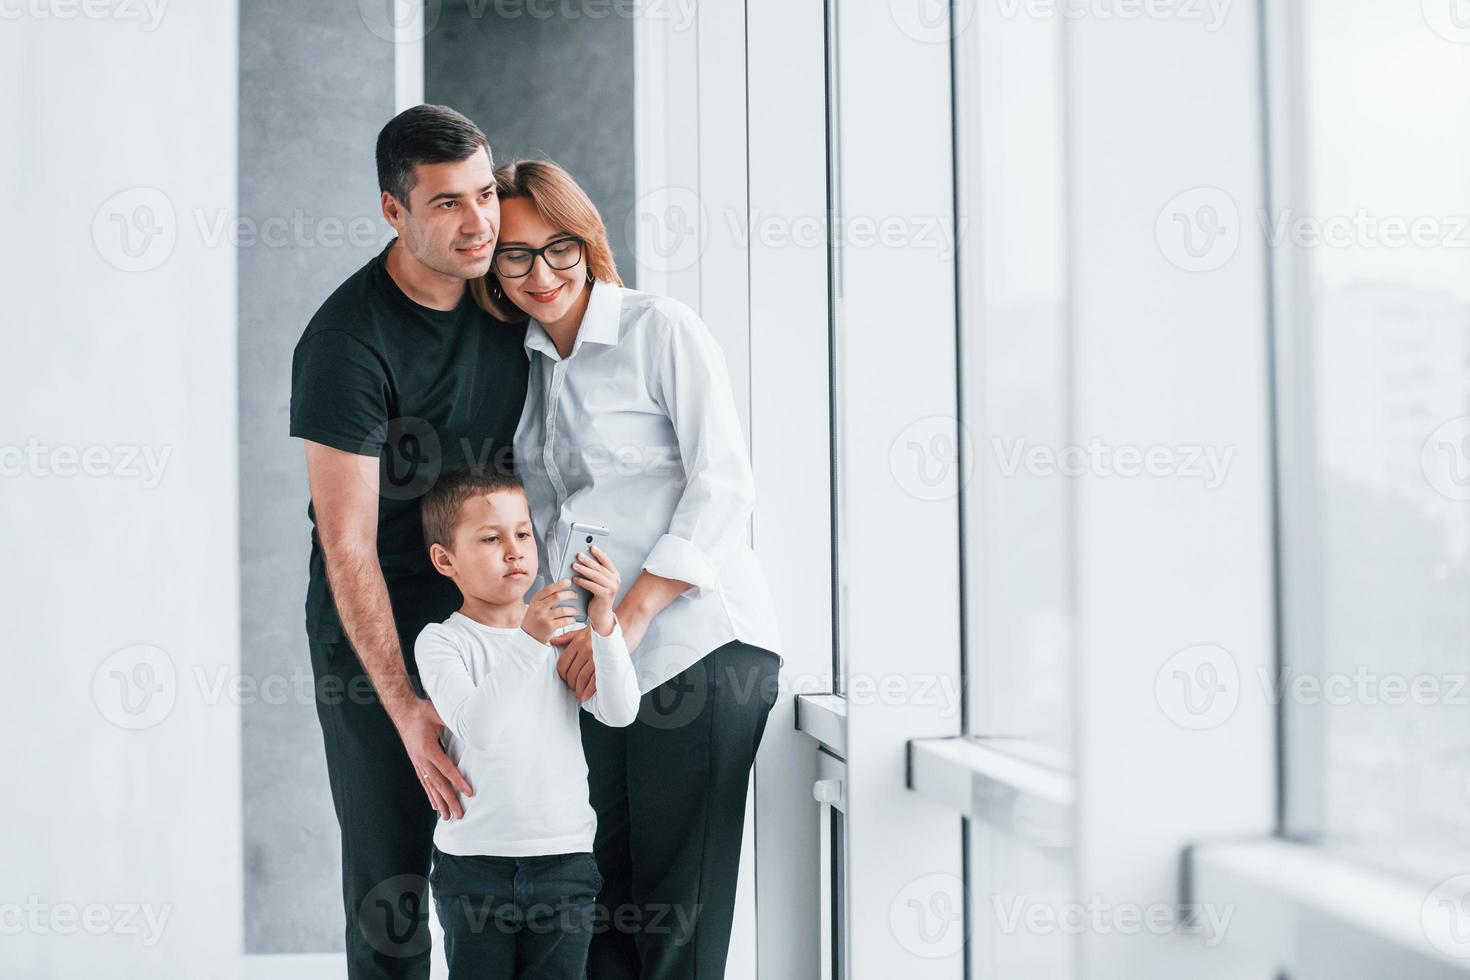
x=514 y=880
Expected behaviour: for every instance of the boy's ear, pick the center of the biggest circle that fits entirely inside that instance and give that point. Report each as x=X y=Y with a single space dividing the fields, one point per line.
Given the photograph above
x=441 y=559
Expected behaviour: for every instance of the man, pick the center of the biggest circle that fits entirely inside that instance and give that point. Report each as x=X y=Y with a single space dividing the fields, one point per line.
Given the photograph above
x=398 y=377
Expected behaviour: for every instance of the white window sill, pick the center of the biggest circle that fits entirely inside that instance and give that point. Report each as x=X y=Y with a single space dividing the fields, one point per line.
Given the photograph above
x=1318 y=914
x=824 y=718
x=984 y=779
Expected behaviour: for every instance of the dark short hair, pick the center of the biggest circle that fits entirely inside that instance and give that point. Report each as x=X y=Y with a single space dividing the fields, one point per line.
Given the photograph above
x=445 y=499
x=423 y=134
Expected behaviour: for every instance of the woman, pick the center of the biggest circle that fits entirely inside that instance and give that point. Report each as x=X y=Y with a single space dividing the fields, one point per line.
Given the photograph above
x=630 y=423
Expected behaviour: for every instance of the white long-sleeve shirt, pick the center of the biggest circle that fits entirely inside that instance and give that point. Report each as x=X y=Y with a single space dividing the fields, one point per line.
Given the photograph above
x=636 y=430
x=514 y=734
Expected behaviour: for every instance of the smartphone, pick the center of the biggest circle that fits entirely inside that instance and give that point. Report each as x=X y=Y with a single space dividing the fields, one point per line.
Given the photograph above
x=583 y=537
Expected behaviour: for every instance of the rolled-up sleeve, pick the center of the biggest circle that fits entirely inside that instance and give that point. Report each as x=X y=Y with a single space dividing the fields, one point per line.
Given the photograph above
x=692 y=385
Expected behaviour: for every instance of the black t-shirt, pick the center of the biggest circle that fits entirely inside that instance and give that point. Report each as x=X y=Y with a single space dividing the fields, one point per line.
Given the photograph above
x=423 y=390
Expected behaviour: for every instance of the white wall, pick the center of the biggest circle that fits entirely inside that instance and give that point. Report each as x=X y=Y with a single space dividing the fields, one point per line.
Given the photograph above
x=121 y=854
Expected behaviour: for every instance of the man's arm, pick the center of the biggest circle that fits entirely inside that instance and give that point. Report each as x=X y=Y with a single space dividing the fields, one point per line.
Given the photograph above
x=344 y=496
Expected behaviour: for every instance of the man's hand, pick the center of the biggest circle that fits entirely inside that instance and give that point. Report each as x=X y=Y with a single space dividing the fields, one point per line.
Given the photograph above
x=543 y=615
x=344 y=493
x=598 y=575
x=440 y=777
x=575 y=666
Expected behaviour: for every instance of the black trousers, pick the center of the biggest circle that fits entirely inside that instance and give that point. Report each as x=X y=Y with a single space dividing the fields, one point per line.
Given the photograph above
x=669 y=791
x=515 y=918
x=386 y=822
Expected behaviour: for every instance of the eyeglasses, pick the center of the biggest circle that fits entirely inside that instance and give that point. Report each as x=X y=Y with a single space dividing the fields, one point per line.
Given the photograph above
x=559 y=254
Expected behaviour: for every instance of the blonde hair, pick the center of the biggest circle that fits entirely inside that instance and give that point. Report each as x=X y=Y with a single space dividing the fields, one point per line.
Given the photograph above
x=562 y=203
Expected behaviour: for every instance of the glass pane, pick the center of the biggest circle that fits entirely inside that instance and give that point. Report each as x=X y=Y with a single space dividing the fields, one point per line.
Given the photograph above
x=1015 y=353
x=1382 y=324
x=1024 y=922
x=836 y=376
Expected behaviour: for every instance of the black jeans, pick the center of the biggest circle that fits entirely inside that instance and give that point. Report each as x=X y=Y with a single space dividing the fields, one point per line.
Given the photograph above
x=386 y=822
x=515 y=918
x=669 y=791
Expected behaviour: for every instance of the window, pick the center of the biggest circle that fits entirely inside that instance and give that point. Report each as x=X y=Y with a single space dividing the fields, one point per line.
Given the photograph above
x=1372 y=196
x=1015 y=391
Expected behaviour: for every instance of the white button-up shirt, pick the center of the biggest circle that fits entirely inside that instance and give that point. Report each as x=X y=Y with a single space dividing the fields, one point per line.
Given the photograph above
x=636 y=430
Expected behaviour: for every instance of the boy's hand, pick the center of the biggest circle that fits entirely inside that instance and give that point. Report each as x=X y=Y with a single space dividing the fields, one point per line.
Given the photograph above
x=544 y=616
x=598 y=575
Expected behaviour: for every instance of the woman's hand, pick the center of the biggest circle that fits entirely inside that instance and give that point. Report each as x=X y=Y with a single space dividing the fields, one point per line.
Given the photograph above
x=648 y=596
x=543 y=615
x=598 y=575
